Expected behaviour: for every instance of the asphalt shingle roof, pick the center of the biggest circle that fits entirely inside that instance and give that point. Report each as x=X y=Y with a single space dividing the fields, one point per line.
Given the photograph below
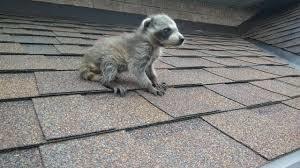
x=228 y=103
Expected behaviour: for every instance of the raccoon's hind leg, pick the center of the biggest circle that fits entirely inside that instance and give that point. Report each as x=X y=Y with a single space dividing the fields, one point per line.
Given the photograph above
x=109 y=74
x=90 y=72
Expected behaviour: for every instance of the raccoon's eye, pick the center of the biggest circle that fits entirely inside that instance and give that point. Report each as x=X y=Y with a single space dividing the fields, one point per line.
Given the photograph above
x=166 y=30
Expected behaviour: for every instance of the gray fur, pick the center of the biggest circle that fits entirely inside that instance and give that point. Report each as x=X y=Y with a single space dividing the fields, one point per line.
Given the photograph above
x=134 y=52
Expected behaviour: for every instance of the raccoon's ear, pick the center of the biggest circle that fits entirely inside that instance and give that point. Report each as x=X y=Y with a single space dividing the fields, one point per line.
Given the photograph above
x=146 y=23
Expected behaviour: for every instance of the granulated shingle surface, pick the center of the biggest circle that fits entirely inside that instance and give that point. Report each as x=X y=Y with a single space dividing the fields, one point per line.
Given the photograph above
x=278 y=70
x=38 y=62
x=109 y=150
x=68 y=34
x=229 y=61
x=18 y=124
x=192 y=143
x=70 y=49
x=5 y=38
x=278 y=87
x=293 y=102
x=189 y=62
x=192 y=101
x=246 y=94
x=141 y=148
x=258 y=60
x=188 y=77
x=35 y=39
x=185 y=52
x=17 y=85
x=240 y=74
x=270 y=130
x=291 y=80
x=219 y=53
x=122 y=113
x=62 y=116
x=21 y=158
x=161 y=65
x=64 y=81
x=11 y=48
x=40 y=49
x=71 y=40
x=27 y=32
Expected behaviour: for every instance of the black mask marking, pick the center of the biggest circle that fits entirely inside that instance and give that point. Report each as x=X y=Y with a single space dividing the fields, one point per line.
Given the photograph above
x=163 y=34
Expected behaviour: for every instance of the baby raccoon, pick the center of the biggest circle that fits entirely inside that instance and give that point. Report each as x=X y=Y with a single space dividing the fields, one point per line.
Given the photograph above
x=134 y=52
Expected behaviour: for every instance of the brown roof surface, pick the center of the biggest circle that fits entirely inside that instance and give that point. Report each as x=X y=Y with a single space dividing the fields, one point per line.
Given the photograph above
x=229 y=104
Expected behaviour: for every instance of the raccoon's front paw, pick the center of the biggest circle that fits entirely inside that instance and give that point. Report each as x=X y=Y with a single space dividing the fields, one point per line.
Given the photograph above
x=157 y=92
x=120 y=90
x=161 y=86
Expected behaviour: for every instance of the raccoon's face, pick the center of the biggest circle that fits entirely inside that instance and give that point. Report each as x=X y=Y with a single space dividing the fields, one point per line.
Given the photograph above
x=163 y=30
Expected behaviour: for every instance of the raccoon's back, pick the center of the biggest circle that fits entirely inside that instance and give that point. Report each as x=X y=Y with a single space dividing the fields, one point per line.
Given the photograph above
x=112 y=48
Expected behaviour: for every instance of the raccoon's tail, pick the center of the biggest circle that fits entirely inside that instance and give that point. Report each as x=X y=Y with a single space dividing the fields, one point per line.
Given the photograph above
x=90 y=72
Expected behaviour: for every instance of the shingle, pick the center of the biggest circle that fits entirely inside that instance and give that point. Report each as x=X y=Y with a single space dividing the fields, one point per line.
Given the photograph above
x=69 y=34
x=35 y=39
x=189 y=62
x=27 y=32
x=122 y=113
x=161 y=65
x=62 y=116
x=276 y=60
x=229 y=61
x=17 y=85
x=192 y=101
x=33 y=26
x=64 y=81
x=108 y=150
x=209 y=47
x=279 y=70
x=226 y=47
x=63 y=29
x=9 y=25
x=192 y=143
x=40 y=49
x=270 y=130
x=218 y=53
x=5 y=38
x=191 y=46
x=182 y=52
x=73 y=40
x=243 y=53
x=71 y=49
x=24 y=62
x=191 y=76
x=17 y=20
x=94 y=36
x=63 y=62
x=250 y=48
x=11 y=48
x=278 y=87
x=240 y=74
x=121 y=149
x=19 y=125
x=91 y=31
x=246 y=94
x=293 y=103
x=38 y=62
x=291 y=80
x=21 y=158
x=262 y=53
x=258 y=60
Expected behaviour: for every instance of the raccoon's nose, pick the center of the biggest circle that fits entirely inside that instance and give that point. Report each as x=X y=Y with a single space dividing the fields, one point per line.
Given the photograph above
x=181 y=40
